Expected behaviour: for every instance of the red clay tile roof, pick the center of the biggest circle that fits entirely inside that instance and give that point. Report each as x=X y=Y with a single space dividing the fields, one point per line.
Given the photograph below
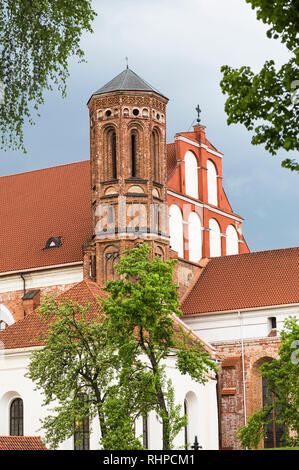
x=21 y=443
x=38 y=205
x=248 y=280
x=26 y=332
x=171 y=158
x=53 y=202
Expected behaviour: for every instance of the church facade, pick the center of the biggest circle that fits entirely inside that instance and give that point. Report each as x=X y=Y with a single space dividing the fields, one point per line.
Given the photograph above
x=64 y=228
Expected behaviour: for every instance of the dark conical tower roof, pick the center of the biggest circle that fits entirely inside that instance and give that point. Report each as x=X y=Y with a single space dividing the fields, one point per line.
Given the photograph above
x=127 y=81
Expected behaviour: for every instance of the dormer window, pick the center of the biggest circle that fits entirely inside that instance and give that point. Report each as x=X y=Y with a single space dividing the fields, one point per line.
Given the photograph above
x=53 y=242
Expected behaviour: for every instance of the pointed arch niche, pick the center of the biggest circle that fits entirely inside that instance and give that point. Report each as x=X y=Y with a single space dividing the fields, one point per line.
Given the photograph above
x=176 y=230
x=195 y=237
x=232 y=244
x=111 y=153
x=191 y=179
x=155 y=154
x=212 y=183
x=215 y=238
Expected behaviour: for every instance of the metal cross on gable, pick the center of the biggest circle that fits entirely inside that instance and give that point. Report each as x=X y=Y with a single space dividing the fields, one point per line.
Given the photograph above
x=198 y=113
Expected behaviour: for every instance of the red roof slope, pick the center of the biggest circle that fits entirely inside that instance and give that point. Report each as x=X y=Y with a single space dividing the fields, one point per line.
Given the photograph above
x=26 y=332
x=21 y=443
x=38 y=205
x=247 y=280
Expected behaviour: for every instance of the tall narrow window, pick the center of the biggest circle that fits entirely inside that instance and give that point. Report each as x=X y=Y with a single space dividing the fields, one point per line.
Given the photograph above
x=113 y=155
x=145 y=431
x=155 y=154
x=111 y=163
x=81 y=432
x=16 y=418
x=275 y=430
x=134 y=154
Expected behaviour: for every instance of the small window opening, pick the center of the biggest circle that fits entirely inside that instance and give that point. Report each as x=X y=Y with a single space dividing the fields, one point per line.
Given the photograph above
x=108 y=113
x=136 y=112
x=53 y=242
x=272 y=326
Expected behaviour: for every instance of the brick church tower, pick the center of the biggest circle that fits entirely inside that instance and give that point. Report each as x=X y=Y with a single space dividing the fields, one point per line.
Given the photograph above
x=128 y=173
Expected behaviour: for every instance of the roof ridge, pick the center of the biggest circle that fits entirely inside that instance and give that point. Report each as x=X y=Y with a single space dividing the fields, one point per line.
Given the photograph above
x=255 y=253
x=43 y=169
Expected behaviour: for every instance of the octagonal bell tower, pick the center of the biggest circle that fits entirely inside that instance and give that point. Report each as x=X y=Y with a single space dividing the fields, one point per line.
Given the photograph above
x=128 y=173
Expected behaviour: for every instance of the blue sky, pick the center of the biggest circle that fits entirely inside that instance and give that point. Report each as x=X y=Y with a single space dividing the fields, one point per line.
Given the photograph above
x=178 y=47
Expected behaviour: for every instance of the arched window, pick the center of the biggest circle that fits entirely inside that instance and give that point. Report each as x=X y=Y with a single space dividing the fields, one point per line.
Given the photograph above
x=155 y=155
x=133 y=145
x=16 y=418
x=111 y=159
x=232 y=245
x=215 y=239
x=191 y=179
x=192 y=411
x=195 y=239
x=81 y=429
x=212 y=183
x=275 y=429
x=176 y=230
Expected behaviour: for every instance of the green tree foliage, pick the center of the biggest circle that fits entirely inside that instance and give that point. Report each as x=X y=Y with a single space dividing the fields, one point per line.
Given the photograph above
x=141 y=308
x=37 y=38
x=77 y=360
x=117 y=357
x=282 y=377
x=267 y=102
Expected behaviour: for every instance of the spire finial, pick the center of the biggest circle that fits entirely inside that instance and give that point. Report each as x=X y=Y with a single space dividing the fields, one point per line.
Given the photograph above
x=198 y=113
x=127 y=60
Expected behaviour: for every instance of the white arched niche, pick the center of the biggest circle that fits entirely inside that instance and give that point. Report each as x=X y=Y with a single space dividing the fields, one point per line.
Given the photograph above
x=191 y=179
x=195 y=238
x=212 y=183
x=176 y=230
x=5 y=315
x=232 y=244
x=215 y=238
x=191 y=408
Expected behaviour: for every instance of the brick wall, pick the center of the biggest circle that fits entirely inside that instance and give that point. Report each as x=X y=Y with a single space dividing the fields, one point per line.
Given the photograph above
x=230 y=383
x=13 y=300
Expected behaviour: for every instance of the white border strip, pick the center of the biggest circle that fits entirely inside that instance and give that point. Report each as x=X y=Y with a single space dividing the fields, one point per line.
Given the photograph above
x=205 y=206
x=196 y=144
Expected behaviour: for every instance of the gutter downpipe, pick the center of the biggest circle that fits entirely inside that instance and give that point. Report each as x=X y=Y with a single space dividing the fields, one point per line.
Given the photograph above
x=24 y=282
x=243 y=368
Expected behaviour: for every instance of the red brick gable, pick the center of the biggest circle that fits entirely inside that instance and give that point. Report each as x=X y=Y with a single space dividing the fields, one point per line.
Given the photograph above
x=21 y=443
x=248 y=280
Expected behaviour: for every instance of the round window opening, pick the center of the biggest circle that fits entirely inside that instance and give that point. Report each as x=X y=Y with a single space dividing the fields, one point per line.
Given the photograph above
x=135 y=112
x=158 y=116
x=108 y=113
